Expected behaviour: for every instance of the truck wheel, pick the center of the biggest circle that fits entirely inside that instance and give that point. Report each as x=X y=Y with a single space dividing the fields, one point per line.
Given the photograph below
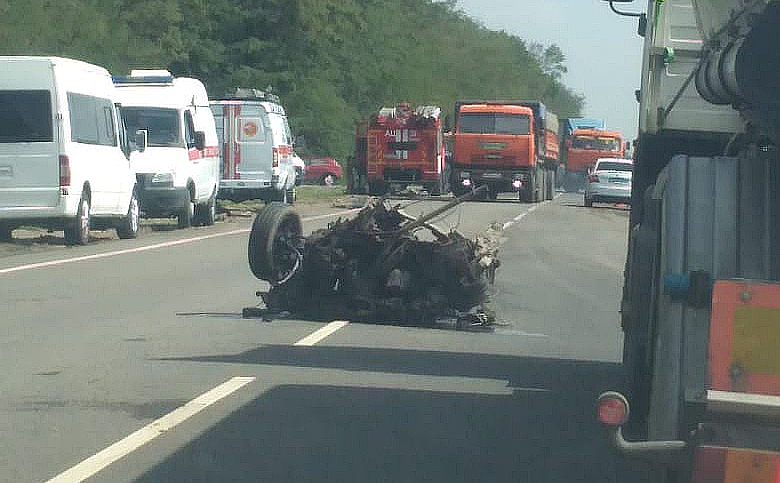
x=128 y=225
x=376 y=188
x=77 y=231
x=550 y=185
x=587 y=202
x=187 y=214
x=273 y=241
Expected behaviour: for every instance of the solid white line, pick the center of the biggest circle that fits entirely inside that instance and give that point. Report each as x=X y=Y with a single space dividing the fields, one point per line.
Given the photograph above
x=321 y=333
x=152 y=247
x=123 y=447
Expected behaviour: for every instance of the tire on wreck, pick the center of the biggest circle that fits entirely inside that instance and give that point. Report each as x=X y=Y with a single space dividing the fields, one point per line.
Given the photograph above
x=276 y=232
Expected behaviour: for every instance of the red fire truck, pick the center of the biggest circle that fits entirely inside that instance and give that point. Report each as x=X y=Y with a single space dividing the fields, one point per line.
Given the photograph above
x=401 y=146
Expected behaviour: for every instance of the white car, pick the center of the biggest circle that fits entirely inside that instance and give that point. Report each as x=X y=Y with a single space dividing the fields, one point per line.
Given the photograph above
x=178 y=174
x=63 y=150
x=609 y=182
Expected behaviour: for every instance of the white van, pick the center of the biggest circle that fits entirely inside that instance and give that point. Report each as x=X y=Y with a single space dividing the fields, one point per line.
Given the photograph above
x=256 y=147
x=63 y=150
x=178 y=173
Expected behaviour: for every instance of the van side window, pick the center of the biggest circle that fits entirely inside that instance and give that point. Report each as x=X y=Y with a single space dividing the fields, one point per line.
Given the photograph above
x=189 y=130
x=91 y=120
x=25 y=116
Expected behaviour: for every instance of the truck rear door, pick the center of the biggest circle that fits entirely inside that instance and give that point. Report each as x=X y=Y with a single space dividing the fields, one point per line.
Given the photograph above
x=29 y=154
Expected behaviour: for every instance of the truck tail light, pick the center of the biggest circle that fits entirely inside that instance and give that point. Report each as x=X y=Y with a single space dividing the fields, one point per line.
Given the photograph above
x=612 y=409
x=726 y=465
x=592 y=178
x=64 y=171
x=276 y=157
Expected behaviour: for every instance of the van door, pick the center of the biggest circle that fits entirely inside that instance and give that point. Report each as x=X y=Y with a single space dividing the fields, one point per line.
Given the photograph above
x=254 y=143
x=195 y=156
x=29 y=152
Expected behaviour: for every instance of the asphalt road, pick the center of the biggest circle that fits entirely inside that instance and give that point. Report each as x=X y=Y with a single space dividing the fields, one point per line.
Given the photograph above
x=98 y=343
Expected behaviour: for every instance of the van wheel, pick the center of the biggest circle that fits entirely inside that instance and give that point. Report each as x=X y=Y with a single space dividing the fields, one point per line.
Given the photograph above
x=273 y=241
x=77 y=231
x=210 y=212
x=128 y=225
x=187 y=214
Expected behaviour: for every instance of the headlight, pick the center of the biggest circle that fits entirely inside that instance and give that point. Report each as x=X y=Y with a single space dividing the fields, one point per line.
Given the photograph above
x=162 y=178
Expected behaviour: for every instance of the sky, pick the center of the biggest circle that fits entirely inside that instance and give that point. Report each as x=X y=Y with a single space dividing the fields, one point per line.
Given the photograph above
x=603 y=51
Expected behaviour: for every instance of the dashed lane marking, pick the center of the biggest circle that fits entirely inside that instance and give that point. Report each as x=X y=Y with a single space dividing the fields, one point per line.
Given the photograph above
x=321 y=333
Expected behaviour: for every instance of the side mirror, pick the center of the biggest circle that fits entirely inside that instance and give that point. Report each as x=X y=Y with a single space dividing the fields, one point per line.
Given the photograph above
x=200 y=140
x=141 y=140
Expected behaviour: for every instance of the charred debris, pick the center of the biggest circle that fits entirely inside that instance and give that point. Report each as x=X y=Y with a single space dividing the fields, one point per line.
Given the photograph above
x=373 y=268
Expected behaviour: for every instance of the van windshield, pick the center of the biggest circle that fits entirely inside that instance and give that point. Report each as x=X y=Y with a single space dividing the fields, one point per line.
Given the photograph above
x=162 y=125
x=494 y=123
x=25 y=116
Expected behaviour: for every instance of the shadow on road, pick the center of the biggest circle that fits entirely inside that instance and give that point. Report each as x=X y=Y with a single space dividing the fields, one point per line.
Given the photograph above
x=565 y=376
x=357 y=434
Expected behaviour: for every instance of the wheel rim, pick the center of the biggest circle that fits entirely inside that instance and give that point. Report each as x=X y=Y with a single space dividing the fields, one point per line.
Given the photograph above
x=84 y=220
x=285 y=255
x=328 y=180
x=133 y=221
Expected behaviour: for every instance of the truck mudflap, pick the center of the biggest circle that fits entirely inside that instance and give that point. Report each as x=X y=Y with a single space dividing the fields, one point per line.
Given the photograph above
x=743 y=346
x=715 y=464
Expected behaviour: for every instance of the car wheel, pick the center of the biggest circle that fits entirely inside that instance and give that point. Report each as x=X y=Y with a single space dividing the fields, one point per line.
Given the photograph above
x=77 y=231
x=328 y=180
x=273 y=241
x=187 y=214
x=6 y=232
x=128 y=225
x=292 y=195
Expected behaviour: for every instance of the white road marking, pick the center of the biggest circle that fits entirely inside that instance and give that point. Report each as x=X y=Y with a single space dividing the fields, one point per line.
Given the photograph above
x=125 y=446
x=530 y=210
x=521 y=333
x=152 y=247
x=321 y=333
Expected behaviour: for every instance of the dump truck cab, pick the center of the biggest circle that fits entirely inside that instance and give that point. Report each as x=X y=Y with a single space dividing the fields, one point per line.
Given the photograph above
x=510 y=146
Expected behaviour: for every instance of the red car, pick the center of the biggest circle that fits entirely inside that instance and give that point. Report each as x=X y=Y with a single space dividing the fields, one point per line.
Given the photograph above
x=323 y=171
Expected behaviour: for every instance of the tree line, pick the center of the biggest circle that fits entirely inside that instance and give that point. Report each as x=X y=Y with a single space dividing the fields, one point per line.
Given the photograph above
x=332 y=62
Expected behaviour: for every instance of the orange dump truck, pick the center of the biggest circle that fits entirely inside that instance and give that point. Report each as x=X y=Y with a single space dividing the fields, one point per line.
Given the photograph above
x=510 y=146
x=581 y=146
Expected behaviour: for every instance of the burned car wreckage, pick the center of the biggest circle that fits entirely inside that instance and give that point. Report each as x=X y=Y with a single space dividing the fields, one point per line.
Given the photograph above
x=372 y=268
